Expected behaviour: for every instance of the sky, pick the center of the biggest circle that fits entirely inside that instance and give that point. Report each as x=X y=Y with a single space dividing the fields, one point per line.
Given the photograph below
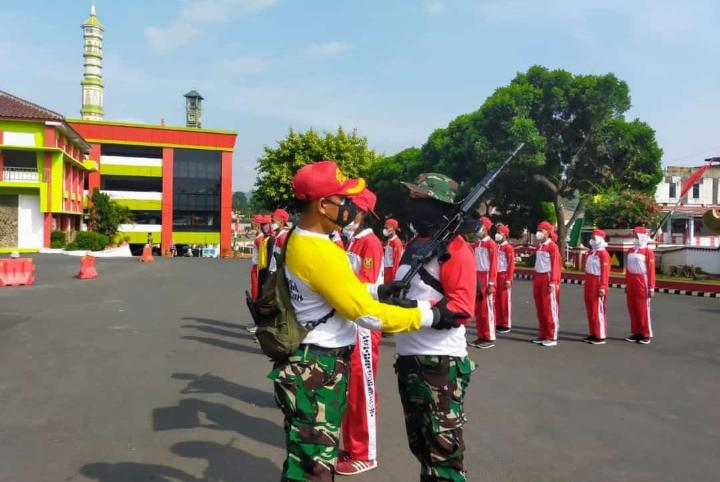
x=395 y=70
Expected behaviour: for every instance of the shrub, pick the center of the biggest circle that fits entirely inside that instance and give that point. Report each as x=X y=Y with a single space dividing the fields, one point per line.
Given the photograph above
x=88 y=240
x=623 y=209
x=58 y=240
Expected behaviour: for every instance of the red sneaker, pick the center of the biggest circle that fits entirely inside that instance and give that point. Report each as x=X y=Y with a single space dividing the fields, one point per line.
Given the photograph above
x=349 y=466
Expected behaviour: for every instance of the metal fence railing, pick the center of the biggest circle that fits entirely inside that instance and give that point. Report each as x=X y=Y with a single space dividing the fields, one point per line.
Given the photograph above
x=19 y=174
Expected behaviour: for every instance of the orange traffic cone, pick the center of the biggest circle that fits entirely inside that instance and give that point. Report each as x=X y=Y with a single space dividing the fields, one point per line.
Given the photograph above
x=147 y=256
x=87 y=268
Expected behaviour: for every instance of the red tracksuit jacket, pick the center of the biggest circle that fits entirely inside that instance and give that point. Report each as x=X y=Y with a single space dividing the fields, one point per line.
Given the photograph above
x=393 y=253
x=548 y=260
x=506 y=260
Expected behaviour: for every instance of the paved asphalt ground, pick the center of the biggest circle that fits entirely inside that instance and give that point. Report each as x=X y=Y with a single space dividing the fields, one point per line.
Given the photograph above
x=146 y=374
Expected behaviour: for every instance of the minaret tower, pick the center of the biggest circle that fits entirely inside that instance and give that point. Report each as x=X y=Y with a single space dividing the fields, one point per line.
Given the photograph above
x=92 y=86
x=193 y=109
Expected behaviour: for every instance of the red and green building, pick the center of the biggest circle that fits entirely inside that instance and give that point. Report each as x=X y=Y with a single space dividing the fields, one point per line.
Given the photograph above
x=43 y=167
x=177 y=181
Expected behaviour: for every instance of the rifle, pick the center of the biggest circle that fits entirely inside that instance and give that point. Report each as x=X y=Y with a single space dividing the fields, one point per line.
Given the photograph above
x=438 y=244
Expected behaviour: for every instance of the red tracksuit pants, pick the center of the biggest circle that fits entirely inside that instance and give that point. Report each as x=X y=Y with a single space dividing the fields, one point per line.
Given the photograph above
x=254 y=282
x=360 y=420
x=389 y=274
x=484 y=309
x=638 y=305
x=546 y=306
x=595 y=307
x=503 y=301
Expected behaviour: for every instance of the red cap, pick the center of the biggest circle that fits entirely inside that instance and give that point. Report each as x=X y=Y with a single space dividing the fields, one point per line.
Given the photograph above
x=266 y=219
x=323 y=179
x=282 y=214
x=639 y=230
x=392 y=223
x=365 y=201
x=502 y=229
x=256 y=218
x=486 y=222
x=598 y=232
x=546 y=226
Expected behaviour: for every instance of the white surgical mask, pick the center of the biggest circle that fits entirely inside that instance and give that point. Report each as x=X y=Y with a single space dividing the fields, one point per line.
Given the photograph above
x=498 y=237
x=540 y=235
x=387 y=233
x=350 y=229
x=274 y=226
x=593 y=243
x=641 y=241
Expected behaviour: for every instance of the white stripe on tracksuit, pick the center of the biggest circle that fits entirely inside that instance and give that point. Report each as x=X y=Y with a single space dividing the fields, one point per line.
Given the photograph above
x=366 y=354
x=647 y=303
x=554 y=311
x=601 y=316
x=491 y=314
x=509 y=307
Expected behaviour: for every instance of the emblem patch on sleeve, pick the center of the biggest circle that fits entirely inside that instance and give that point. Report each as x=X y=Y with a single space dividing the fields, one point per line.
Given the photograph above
x=367 y=262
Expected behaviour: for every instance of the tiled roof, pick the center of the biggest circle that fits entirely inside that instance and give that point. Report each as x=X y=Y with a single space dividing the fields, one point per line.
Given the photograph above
x=697 y=210
x=17 y=108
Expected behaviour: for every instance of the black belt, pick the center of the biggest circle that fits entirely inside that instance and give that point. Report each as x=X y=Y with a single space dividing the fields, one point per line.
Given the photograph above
x=412 y=362
x=342 y=351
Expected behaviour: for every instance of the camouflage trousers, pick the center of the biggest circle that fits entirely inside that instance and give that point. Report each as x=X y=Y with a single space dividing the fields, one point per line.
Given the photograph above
x=311 y=391
x=432 y=390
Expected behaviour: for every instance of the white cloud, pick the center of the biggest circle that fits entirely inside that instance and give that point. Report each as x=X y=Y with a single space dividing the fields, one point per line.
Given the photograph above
x=433 y=7
x=333 y=48
x=194 y=17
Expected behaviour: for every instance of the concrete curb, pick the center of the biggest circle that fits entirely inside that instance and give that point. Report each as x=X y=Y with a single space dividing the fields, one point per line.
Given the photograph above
x=658 y=289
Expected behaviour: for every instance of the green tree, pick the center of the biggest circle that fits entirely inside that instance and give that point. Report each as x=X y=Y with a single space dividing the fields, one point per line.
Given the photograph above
x=384 y=178
x=579 y=143
x=623 y=209
x=107 y=215
x=276 y=167
x=239 y=201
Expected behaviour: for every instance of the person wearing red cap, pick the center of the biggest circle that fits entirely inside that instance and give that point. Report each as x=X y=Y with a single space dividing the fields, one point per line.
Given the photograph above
x=278 y=227
x=255 y=249
x=261 y=258
x=393 y=248
x=503 y=287
x=486 y=266
x=546 y=285
x=359 y=425
x=597 y=277
x=640 y=286
x=310 y=386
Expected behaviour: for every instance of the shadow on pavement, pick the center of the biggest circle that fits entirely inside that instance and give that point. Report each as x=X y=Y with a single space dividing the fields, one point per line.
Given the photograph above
x=208 y=383
x=228 y=345
x=225 y=463
x=217 y=331
x=223 y=324
x=187 y=415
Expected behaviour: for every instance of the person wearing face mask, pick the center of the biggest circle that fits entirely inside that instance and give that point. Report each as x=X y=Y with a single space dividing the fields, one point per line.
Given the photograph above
x=486 y=266
x=640 y=287
x=546 y=285
x=433 y=367
x=255 y=249
x=310 y=386
x=393 y=248
x=506 y=271
x=279 y=230
x=359 y=432
x=262 y=248
x=597 y=277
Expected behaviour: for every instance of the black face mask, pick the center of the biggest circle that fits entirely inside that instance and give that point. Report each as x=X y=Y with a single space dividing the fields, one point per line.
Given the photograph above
x=427 y=215
x=346 y=212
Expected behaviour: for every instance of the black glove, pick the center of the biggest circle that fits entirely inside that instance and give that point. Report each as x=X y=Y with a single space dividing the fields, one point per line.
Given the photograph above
x=401 y=302
x=444 y=318
x=390 y=290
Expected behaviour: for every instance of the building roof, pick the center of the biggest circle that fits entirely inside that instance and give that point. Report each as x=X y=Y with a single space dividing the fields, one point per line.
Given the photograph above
x=194 y=93
x=695 y=211
x=17 y=108
x=92 y=20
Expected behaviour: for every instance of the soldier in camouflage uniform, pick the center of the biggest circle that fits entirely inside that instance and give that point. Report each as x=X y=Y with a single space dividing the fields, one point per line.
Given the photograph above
x=311 y=385
x=433 y=368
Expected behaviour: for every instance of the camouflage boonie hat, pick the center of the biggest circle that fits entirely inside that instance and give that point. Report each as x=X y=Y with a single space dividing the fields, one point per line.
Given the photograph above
x=433 y=185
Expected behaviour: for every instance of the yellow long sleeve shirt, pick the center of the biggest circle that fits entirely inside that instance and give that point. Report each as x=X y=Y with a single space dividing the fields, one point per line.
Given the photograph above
x=321 y=279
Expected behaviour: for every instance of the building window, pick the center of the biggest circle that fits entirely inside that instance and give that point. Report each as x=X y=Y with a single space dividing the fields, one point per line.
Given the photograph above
x=120 y=150
x=131 y=183
x=673 y=190
x=20 y=159
x=196 y=190
x=147 y=217
x=696 y=190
